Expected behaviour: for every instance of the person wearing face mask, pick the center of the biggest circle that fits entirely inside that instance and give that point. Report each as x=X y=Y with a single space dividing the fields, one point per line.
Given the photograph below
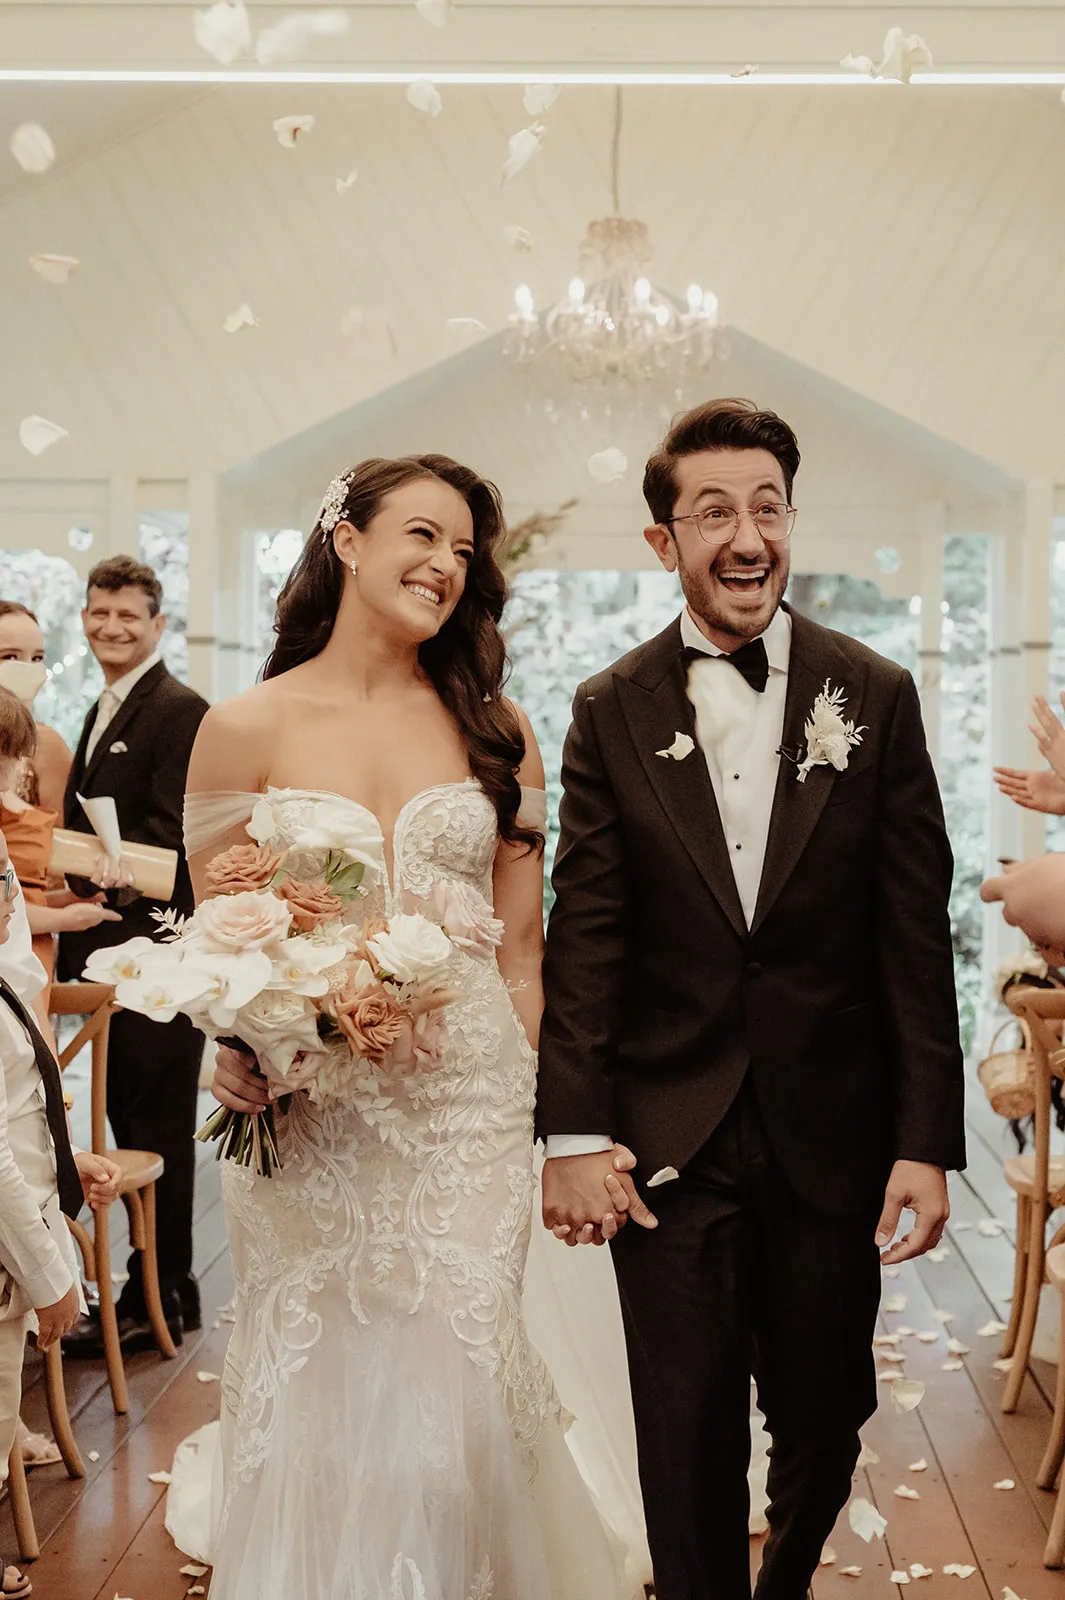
x=32 y=800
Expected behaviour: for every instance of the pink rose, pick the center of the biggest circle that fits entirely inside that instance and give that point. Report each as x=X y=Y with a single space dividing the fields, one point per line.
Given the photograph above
x=430 y=1032
x=468 y=920
x=243 y=921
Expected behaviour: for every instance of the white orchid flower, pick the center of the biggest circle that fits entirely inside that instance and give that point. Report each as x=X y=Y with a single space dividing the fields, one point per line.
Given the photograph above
x=227 y=981
x=299 y=965
x=161 y=991
x=120 y=963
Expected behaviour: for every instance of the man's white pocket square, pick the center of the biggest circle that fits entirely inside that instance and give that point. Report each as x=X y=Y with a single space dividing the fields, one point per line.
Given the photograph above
x=682 y=747
x=666 y=1175
x=119 y=748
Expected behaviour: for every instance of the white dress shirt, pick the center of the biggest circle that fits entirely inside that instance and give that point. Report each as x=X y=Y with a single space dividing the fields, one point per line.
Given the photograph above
x=738 y=731
x=37 y=1264
x=112 y=697
x=18 y=964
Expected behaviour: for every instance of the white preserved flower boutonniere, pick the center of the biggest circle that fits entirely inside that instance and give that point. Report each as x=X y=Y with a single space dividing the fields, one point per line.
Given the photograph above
x=682 y=747
x=829 y=736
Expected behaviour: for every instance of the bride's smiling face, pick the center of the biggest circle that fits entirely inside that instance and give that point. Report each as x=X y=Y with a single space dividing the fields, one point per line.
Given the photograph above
x=411 y=559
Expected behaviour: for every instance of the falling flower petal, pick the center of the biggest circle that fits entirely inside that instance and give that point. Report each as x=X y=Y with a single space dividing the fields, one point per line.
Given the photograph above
x=939 y=1254
x=928 y=1338
x=896 y=1356
x=956 y=1348
x=208 y=1377
x=989 y=1329
x=907 y=1394
x=887 y=1338
x=905 y=1333
x=158 y=1477
x=850 y=1572
x=954 y=1366
x=224 y=30
x=904 y=1492
x=242 y=317
x=895 y=1302
x=608 y=466
x=288 y=39
x=37 y=434
x=517 y=237
x=425 y=96
x=867 y=1458
x=540 y=97
x=958 y=1569
x=991 y=1227
x=943 y=1316
x=900 y=1577
x=747 y=71
x=290 y=129
x=1004 y=1483
x=55 y=269
x=865 y=1520
x=192 y=1569
x=917 y=1571
x=523 y=145
x=678 y=752
x=435 y=11
x=918 y=1466
x=32 y=148
x=828 y=1557
x=903 y=55
x=344 y=184
x=94 y=1455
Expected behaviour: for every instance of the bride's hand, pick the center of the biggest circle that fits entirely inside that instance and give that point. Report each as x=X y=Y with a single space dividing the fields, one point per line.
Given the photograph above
x=236 y=1083
x=622 y=1191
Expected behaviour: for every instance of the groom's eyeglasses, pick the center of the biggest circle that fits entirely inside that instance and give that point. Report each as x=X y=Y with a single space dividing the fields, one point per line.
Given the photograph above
x=719 y=525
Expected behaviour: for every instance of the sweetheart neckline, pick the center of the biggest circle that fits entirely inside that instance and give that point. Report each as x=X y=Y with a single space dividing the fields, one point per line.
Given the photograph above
x=333 y=794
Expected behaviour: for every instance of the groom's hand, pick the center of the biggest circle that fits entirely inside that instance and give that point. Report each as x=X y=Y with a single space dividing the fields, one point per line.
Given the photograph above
x=588 y=1198
x=921 y=1188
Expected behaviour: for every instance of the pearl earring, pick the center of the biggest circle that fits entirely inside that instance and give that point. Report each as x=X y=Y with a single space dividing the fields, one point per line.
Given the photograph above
x=354 y=569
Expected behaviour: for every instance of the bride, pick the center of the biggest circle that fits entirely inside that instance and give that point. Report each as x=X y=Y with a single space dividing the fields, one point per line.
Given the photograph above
x=388 y=1433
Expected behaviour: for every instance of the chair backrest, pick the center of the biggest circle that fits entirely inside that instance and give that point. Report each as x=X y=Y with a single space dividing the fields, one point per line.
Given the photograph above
x=96 y=1003
x=1044 y=1011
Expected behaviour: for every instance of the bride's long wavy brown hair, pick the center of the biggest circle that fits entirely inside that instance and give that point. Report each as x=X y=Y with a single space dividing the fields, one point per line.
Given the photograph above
x=466 y=660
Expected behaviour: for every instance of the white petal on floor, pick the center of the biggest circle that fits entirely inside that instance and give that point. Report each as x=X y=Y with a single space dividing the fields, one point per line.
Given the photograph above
x=865 y=1520
x=954 y=1365
x=943 y=1316
x=94 y=1455
x=889 y=1375
x=895 y=1356
x=1003 y=1364
x=991 y=1227
x=850 y=1572
x=907 y=1394
x=1005 y=1483
x=940 y=1253
x=867 y=1458
x=905 y=1333
x=1010 y=1594
x=53 y=268
x=540 y=97
x=990 y=1329
x=928 y=1338
x=32 y=148
x=918 y=1466
x=890 y=1339
x=828 y=1557
x=242 y=317
x=193 y=1569
x=904 y=1492
x=891 y=1272
x=918 y=1571
x=290 y=130
x=37 y=434
x=960 y=1227
x=208 y=1377
x=900 y=1577
x=896 y=1302
x=158 y=1477
x=958 y=1569
x=425 y=96
x=223 y=30
x=956 y=1348
x=608 y=466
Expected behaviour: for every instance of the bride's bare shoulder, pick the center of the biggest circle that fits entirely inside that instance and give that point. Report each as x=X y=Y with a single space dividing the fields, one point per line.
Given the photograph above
x=236 y=737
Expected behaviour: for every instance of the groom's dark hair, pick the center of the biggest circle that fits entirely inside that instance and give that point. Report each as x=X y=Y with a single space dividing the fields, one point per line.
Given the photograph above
x=716 y=425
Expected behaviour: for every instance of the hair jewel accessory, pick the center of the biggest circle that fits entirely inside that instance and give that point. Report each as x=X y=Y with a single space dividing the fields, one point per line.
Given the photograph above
x=333 y=504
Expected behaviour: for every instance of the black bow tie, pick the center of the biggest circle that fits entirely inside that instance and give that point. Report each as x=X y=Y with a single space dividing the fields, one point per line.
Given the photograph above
x=750 y=660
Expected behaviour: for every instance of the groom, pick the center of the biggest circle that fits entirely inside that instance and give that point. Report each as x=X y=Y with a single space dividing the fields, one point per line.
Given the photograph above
x=749 y=982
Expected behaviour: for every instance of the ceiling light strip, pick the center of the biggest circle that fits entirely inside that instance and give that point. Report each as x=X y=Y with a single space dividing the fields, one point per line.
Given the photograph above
x=684 y=80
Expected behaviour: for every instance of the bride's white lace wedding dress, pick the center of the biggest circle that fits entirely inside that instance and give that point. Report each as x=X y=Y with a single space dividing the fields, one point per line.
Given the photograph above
x=388 y=1433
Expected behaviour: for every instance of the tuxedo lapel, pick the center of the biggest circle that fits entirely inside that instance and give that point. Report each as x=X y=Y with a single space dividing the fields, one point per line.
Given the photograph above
x=656 y=708
x=120 y=721
x=814 y=659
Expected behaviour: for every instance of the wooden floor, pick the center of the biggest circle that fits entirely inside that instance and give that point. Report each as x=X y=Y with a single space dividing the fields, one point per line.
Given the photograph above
x=105 y=1536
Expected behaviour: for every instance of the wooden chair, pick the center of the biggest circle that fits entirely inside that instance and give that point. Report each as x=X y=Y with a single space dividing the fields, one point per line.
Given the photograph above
x=1038 y=1183
x=141 y=1169
x=29 y=1547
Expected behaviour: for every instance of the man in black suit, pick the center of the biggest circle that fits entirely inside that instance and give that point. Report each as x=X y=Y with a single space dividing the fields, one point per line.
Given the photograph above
x=135 y=746
x=749 y=982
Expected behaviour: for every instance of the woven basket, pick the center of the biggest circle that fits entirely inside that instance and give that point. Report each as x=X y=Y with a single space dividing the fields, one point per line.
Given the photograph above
x=1008 y=1076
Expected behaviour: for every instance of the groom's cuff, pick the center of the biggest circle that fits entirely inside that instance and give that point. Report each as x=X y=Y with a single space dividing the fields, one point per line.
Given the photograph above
x=576 y=1144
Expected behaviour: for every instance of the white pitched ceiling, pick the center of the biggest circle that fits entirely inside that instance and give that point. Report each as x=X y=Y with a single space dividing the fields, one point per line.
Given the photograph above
x=908 y=245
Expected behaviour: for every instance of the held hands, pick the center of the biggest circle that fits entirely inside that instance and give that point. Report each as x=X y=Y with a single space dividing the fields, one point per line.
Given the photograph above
x=586 y=1199
x=237 y=1084
x=55 y=1320
x=100 y=1178
x=921 y=1188
x=109 y=874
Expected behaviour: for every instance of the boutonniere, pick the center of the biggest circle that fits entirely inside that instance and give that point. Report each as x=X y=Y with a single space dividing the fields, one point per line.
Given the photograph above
x=682 y=747
x=119 y=748
x=830 y=737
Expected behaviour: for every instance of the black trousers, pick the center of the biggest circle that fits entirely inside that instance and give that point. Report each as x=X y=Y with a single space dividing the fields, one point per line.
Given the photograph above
x=152 y=1075
x=741 y=1277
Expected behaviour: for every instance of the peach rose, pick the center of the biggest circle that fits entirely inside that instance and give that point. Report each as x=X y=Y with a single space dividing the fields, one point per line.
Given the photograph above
x=243 y=867
x=242 y=922
x=310 y=903
x=370 y=1022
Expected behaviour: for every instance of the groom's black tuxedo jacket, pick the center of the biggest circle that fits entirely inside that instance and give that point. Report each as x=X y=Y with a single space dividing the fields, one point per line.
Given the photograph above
x=839 y=999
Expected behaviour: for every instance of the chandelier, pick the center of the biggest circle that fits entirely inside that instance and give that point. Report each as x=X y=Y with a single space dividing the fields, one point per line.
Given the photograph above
x=614 y=325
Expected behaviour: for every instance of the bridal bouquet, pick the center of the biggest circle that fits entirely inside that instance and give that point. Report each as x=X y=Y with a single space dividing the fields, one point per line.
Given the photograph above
x=275 y=964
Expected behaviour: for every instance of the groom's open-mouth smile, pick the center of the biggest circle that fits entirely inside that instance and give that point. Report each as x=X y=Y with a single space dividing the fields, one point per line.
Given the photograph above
x=743 y=580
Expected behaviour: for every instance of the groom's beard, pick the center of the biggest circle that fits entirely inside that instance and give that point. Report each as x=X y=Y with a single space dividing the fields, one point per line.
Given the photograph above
x=739 y=616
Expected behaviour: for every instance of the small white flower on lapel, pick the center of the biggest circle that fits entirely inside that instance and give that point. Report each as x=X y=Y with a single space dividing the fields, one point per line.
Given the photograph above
x=829 y=737
x=119 y=748
x=667 y=1175
x=681 y=748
